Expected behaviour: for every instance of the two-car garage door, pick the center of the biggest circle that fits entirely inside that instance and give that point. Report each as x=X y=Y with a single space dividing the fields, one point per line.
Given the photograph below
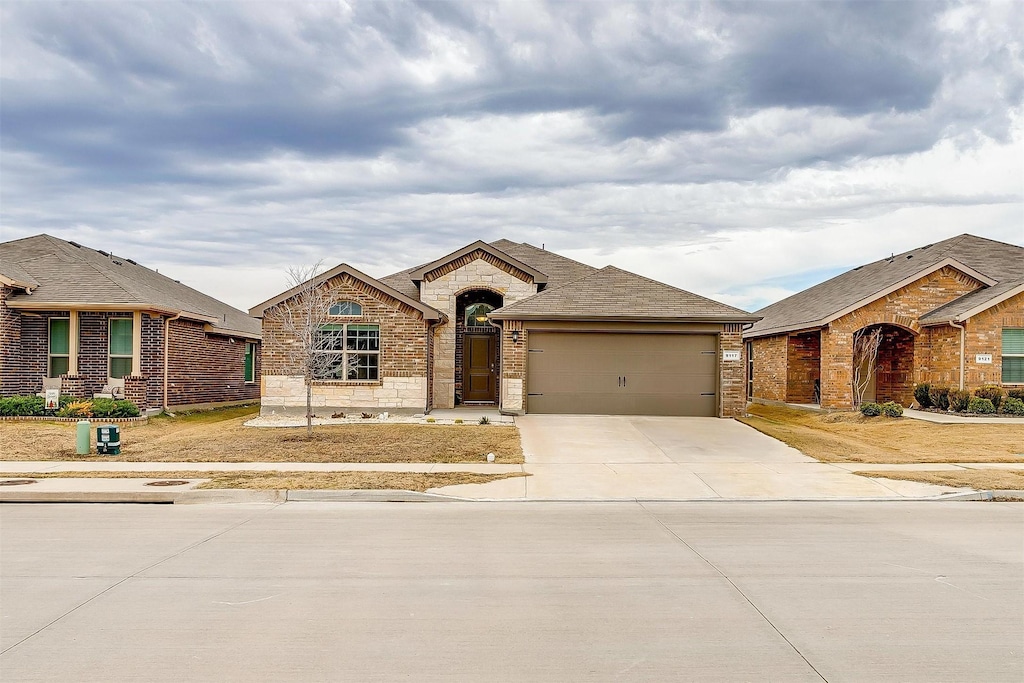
x=622 y=374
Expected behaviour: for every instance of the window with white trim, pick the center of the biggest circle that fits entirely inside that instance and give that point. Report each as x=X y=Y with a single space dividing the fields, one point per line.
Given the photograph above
x=59 y=353
x=348 y=352
x=345 y=308
x=120 y=340
x=1013 y=355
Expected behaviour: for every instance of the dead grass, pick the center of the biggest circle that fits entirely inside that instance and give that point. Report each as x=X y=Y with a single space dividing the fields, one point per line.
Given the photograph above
x=248 y=479
x=220 y=436
x=851 y=437
x=1012 y=480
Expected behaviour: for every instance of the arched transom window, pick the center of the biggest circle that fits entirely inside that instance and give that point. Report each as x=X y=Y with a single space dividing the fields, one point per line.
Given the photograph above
x=346 y=308
x=476 y=315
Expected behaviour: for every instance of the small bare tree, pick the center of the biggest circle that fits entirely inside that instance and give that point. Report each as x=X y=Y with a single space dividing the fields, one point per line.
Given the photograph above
x=299 y=331
x=866 y=343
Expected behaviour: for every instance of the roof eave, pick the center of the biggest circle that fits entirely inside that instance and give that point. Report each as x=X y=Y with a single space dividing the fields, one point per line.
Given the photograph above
x=786 y=329
x=228 y=332
x=428 y=312
x=19 y=284
x=626 y=318
x=538 y=277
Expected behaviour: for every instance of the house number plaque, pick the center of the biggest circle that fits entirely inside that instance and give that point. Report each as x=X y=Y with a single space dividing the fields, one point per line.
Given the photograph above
x=730 y=355
x=983 y=358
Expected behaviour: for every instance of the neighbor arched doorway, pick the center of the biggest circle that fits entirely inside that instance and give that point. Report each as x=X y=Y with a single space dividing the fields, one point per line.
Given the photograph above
x=477 y=348
x=883 y=364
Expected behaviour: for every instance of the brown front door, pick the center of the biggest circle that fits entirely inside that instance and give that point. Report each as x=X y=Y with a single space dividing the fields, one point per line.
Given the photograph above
x=478 y=365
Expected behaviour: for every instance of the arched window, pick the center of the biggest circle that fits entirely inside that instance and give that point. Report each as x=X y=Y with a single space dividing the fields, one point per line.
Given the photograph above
x=476 y=315
x=346 y=308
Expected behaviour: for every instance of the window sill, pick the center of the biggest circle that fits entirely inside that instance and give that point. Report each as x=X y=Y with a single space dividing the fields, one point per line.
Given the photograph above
x=348 y=382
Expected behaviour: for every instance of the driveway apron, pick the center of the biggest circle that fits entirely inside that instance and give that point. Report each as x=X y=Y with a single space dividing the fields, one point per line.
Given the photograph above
x=597 y=457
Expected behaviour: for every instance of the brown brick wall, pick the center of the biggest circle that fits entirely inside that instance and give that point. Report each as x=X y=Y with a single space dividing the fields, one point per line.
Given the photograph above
x=985 y=335
x=11 y=375
x=205 y=368
x=803 y=367
x=403 y=332
x=894 y=379
x=770 y=376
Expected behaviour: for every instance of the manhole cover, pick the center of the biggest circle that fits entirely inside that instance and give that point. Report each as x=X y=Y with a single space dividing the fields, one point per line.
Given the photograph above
x=167 y=482
x=17 y=482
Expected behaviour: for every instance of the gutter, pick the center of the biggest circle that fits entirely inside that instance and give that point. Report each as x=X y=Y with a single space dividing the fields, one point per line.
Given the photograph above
x=963 y=332
x=167 y=349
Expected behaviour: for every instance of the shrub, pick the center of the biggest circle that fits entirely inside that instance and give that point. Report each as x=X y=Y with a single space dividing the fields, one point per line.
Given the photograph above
x=939 y=396
x=76 y=409
x=870 y=409
x=921 y=395
x=892 y=409
x=109 y=407
x=1016 y=393
x=981 y=405
x=994 y=394
x=1013 y=406
x=22 y=406
x=958 y=400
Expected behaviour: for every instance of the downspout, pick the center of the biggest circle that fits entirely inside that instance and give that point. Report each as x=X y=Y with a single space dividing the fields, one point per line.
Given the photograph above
x=963 y=331
x=167 y=350
x=501 y=359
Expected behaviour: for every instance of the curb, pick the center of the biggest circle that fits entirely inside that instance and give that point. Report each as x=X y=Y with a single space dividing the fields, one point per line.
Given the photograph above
x=278 y=496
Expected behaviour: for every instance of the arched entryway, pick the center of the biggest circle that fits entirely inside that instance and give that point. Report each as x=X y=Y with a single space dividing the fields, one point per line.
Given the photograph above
x=476 y=348
x=883 y=364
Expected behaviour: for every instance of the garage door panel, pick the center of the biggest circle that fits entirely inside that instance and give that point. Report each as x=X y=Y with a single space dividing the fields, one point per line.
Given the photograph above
x=665 y=374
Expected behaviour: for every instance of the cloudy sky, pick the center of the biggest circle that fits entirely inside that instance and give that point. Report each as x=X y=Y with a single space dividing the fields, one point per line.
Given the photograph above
x=739 y=150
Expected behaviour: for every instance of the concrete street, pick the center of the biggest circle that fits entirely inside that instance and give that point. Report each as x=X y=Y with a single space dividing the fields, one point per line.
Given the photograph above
x=510 y=591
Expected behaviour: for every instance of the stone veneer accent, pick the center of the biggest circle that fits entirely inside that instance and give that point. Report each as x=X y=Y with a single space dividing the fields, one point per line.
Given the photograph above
x=441 y=292
x=513 y=366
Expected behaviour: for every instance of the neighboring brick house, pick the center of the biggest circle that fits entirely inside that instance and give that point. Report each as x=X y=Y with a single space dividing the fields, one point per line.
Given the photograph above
x=950 y=314
x=86 y=316
x=512 y=326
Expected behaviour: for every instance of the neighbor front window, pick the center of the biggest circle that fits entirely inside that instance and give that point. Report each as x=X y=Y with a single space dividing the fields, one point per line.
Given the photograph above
x=348 y=352
x=120 y=345
x=1013 y=355
x=60 y=346
x=250 y=362
x=346 y=308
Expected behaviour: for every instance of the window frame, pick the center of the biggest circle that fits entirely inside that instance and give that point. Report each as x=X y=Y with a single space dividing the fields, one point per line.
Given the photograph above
x=348 y=354
x=1003 y=356
x=120 y=356
x=50 y=355
x=249 y=363
x=348 y=302
x=465 y=315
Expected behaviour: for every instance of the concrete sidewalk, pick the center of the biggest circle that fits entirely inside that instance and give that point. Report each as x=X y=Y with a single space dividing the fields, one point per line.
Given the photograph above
x=952 y=418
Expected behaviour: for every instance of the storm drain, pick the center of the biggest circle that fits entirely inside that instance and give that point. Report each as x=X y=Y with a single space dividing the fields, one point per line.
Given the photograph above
x=17 y=482
x=167 y=482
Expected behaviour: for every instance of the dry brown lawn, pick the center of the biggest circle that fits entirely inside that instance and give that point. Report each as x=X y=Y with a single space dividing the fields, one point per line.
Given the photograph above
x=851 y=437
x=1010 y=480
x=220 y=436
x=403 y=481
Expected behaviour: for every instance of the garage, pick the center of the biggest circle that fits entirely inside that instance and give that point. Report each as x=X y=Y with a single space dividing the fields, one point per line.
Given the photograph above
x=605 y=373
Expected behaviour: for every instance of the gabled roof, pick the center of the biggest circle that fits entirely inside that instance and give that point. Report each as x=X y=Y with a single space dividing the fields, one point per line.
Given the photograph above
x=56 y=274
x=418 y=274
x=558 y=270
x=988 y=261
x=614 y=294
x=345 y=269
x=971 y=304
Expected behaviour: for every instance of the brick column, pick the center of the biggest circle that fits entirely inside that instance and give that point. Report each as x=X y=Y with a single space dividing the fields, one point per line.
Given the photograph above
x=73 y=385
x=733 y=376
x=513 y=367
x=836 y=369
x=135 y=390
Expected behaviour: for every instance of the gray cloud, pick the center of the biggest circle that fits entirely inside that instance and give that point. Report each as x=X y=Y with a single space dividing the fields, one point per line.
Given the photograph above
x=189 y=131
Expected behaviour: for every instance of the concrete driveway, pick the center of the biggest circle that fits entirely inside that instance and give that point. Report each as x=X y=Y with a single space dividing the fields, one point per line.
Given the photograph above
x=598 y=457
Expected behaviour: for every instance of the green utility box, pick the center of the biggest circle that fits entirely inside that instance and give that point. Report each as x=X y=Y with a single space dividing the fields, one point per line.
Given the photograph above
x=108 y=440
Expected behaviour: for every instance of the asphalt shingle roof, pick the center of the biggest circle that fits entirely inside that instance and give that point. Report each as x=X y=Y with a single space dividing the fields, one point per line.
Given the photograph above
x=613 y=293
x=997 y=261
x=76 y=275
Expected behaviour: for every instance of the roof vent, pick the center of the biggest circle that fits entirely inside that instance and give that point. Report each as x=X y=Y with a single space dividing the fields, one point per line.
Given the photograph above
x=116 y=263
x=131 y=262
x=75 y=244
x=99 y=251
x=910 y=256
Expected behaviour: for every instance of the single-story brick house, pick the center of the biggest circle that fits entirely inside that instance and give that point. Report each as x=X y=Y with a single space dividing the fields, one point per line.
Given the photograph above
x=950 y=314
x=89 y=317
x=516 y=327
